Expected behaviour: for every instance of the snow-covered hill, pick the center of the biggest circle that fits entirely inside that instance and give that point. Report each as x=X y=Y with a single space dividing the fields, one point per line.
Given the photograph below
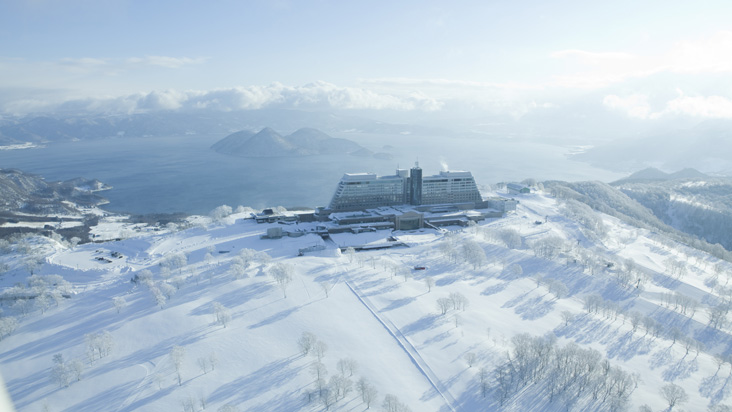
x=217 y=316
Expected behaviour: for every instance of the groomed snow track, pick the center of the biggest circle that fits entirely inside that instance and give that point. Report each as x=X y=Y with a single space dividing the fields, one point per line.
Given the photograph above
x=409 y=349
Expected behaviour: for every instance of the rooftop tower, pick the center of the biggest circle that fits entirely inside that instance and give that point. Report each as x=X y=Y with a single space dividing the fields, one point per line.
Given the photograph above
x=415 y=185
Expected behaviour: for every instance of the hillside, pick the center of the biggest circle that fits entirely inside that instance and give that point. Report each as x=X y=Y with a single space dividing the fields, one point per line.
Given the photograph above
x=701 y=206
x=216 y=318
x=269 y=143
x=29 y=203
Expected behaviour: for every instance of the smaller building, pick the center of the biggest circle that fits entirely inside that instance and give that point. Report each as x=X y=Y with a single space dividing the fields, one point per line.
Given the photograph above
x=409 y=221
x=517 y=188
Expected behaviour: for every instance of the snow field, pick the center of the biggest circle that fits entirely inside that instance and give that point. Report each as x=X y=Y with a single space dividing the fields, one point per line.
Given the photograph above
x=391 y=326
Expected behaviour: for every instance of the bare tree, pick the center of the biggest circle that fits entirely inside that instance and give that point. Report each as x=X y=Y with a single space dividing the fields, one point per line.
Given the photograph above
x=483 y=375
x=392 y=404
x=319 y=372
x=458 y=301
x=319 y=349
x=444 y=305
x=567 y=317
x=188 y=404
x=340 y=386
x=366 y=391
x=674 y=394
x=347 y=365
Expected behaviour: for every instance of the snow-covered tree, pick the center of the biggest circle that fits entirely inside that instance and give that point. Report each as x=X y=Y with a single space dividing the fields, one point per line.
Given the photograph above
x=177 y=355
x=470 y=358
x=350 y=252
x=60 y=373
x=221 y=212
x=238 y=271
x=221 y=314
x=515 y=270
x=98 y=345
x=306 y=342
x=474 y=254
x=119 y=303
x=8 y=325
x=429 y=281
x=282 y=274
x=511 y=238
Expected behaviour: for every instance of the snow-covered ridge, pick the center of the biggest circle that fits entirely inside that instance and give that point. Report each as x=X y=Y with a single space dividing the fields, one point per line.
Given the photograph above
x=216 y=316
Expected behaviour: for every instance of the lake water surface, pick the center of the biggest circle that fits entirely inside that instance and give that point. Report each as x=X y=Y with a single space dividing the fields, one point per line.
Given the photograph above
x=181 y=173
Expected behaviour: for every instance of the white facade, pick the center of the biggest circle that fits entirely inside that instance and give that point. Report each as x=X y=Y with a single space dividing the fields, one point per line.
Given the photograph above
x=358 y=191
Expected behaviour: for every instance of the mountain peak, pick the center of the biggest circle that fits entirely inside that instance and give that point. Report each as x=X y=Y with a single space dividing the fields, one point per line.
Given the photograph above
x=268 y=143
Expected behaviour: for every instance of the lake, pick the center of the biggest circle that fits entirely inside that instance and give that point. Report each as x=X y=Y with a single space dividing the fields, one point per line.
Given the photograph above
x=181 y=173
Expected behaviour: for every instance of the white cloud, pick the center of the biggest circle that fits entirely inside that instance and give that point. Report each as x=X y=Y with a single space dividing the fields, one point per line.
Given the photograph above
x=712 y=53
x=703 y=55
x=591 y=57
x=634 y=105
x=165 y=61
x=700 y=106
x=448 y=83
x=318 y=95
x=705 y=107
x=84 y=61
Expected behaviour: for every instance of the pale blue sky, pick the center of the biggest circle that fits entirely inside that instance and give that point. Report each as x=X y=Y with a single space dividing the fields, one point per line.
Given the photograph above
x=423 y=55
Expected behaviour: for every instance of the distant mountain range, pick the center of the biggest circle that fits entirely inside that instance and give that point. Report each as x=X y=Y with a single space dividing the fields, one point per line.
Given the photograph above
x=303 y=142
x=705 y=147
x=652 y=174
x=61 y=128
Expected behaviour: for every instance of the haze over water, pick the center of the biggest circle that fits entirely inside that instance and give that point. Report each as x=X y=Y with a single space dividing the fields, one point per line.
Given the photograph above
x=181 y=174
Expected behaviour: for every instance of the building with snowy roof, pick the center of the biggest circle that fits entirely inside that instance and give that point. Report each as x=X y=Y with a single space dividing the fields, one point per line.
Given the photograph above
x=358 y=191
